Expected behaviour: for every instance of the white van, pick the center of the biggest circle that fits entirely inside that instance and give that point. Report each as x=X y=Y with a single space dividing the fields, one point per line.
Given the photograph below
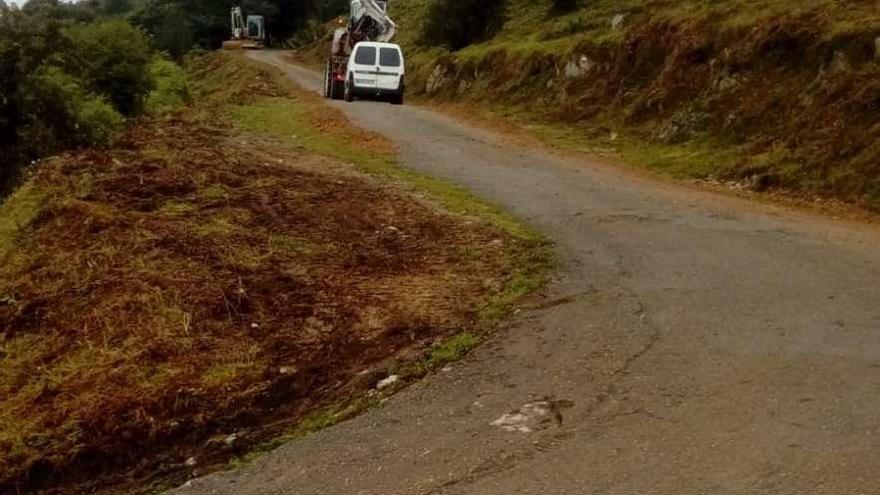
x=375 y=70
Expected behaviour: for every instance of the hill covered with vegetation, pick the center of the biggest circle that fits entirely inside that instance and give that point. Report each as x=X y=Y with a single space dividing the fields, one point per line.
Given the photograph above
x=72 y=74
x=222 y=276
x=765 y=93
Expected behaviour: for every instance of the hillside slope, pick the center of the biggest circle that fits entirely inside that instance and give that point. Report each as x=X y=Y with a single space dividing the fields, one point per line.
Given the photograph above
x=767 y=93
x=176 y=301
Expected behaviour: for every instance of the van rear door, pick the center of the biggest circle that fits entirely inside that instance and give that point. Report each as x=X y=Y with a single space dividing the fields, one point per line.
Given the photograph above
x=364 y=66
x=390 y=68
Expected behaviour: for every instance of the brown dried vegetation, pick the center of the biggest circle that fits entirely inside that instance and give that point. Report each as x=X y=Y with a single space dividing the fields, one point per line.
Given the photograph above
x=197 y=281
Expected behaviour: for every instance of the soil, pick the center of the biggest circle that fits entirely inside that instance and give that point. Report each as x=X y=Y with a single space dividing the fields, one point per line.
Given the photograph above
x=198 y=290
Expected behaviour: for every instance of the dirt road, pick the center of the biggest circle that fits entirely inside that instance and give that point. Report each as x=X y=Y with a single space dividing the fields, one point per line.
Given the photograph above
x=690 y=344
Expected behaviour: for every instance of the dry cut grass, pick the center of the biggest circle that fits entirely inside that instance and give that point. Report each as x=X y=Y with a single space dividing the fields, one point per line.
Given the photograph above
x=198 y=281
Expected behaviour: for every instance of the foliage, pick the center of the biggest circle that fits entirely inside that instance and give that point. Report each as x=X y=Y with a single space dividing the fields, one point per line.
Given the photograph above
x=65 y=84
x=63 y=113
x=113 y=58
x=459 y=23
x=173 y=31
x=171 y=90
x=180 y=25
x=563 y=6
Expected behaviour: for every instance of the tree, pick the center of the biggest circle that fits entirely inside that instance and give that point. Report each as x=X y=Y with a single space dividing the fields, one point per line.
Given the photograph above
x=64 y=85
x=41 y=8
x=563 y=6
x=459 y=23
x=174 y=33
x=113 y=58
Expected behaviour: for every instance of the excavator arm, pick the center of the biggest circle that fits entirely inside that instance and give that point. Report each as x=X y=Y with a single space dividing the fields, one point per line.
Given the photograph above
x=238 y=31
x=369 y=19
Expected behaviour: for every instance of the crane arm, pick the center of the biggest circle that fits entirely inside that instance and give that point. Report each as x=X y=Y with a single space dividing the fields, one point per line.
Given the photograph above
x=369 y=20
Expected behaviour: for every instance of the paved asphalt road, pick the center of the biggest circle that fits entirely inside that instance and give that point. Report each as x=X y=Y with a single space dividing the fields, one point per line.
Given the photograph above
x=707 y=345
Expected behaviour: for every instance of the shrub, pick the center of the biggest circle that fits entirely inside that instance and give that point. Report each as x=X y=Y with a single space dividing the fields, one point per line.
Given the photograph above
x=173 y=34
x=63 y=114
x=64 y=85
x=170 y=90
x=97 y=122
x=113 y=58
x=563 y=6
x=459 y=23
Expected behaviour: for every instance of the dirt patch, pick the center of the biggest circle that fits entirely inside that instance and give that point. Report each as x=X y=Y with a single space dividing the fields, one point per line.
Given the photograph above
x=176 y=295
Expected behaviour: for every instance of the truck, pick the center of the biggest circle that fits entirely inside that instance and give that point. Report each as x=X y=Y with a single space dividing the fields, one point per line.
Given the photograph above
x=367 y=21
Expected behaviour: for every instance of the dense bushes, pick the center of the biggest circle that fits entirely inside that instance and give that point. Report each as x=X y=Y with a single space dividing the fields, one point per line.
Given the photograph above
x=64 y=84
x=458 y=23
x=71 y=72
x=63 y=113
x=170 y=90
x=562 y=6
x=113 y=59
x=180 y=25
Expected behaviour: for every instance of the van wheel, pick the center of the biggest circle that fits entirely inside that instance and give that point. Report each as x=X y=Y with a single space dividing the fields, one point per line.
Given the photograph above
x=349 y=97
x=397 y=99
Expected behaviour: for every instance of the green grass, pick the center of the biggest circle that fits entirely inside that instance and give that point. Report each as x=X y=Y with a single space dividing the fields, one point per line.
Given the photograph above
x=288 y=243
x=448 y=351
x=316 y=421
x=16 y=212
x=177 y=208
x=171 y=90
x=290 y=122
x=213 y=192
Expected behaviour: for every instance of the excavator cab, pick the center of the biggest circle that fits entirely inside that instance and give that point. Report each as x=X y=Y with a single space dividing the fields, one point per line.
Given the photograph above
x=256 y=28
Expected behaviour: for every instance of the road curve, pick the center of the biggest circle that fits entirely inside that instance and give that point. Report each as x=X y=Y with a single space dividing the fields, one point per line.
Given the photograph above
x=706 y=345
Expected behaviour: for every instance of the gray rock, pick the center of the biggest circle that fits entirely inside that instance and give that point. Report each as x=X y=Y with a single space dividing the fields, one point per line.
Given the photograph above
x=437 y=80
x=683 y=126
x=839 y=63
x=727 y=83
x=572 y=71
x=391 y=380
x=576 y=69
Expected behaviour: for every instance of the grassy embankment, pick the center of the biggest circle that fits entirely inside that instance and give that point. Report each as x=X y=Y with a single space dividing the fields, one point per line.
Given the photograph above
x=305 y=122
x=772 y=95
x=219 y=279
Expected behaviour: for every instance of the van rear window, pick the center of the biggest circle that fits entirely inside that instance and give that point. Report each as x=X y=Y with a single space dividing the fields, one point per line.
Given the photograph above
x=366 y=55
x=389 y=57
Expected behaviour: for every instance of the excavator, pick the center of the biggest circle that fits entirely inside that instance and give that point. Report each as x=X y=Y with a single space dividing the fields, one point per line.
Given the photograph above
x=368 y=21
x=250 y=36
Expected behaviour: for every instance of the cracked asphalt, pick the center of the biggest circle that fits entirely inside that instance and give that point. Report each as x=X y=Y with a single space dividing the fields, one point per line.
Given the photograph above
x=701 y=345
